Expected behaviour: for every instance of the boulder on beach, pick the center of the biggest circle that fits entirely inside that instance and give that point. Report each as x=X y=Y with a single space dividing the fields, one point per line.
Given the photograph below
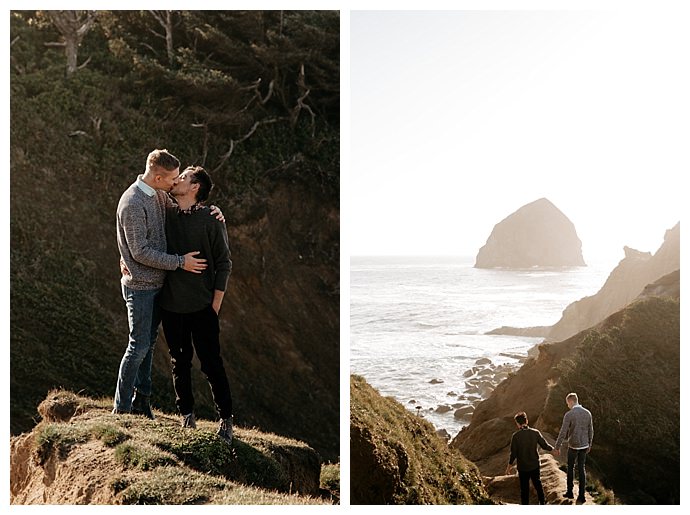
x=443 y=433
x=443 y=408
x=464 y=412
x=537 y=234
x=436 y=381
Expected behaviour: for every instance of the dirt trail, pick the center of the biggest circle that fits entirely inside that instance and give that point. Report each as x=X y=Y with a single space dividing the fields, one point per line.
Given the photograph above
x=506 y=489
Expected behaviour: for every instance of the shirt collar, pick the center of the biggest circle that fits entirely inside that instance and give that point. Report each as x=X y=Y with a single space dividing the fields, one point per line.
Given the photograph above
x=190 y=209
x=145 y=187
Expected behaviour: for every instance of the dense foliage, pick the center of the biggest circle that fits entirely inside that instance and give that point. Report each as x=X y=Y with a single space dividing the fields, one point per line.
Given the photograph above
x=253 y=97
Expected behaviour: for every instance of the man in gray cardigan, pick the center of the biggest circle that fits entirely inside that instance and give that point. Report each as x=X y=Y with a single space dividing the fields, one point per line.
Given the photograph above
x=578 y=429
x=143 y=251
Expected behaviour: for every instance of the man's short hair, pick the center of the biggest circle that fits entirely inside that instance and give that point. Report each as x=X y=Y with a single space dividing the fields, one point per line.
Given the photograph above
x=571 y=397
x=201 y=177
x=521 y=418
x=161 y=158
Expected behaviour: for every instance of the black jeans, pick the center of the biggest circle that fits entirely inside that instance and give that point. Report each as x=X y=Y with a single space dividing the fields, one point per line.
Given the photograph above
x=202 y=330
x=581 y=455
x=524 y=485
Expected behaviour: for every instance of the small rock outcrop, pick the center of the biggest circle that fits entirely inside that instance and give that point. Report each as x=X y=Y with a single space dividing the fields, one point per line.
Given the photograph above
x=538 y=234
x=81 y=453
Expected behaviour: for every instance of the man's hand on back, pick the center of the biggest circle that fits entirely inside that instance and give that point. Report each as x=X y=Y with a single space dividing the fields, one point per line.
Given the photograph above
x=215 y=210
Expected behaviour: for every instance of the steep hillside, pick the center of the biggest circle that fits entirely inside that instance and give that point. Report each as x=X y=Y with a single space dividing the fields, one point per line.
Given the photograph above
x=626 y=370
x=628 y=375
x=234 y=99
x=82 y=454
x=397 y=458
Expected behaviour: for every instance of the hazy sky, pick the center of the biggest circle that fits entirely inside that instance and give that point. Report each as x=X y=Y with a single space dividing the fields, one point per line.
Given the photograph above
x=459 y=118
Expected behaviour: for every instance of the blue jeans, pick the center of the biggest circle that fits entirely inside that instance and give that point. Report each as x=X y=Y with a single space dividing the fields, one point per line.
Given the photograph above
x=144 y=318
x=579 y=455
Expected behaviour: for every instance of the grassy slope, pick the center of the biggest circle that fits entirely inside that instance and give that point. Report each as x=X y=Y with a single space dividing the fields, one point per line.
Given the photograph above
x=396 y=457
x=628 y=375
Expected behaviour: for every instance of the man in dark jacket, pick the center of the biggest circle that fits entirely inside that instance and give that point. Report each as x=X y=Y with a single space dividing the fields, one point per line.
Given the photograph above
x=190 y=302
x=523 y=447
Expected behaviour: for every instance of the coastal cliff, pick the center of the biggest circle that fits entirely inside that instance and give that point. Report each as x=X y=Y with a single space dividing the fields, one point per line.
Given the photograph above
x=623 y=285
x=537 y=234
x=629 y=359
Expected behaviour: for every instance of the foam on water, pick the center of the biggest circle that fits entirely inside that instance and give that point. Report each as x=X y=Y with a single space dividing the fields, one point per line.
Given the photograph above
x=417 y=319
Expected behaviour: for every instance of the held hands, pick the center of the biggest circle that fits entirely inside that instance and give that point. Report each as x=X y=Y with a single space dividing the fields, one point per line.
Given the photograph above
x=192 y=264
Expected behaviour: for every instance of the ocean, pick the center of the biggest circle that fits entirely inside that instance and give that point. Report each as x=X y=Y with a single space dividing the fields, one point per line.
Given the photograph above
x=417 y=324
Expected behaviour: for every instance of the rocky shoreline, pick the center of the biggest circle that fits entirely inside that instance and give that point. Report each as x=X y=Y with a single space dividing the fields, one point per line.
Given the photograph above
x=479 y=381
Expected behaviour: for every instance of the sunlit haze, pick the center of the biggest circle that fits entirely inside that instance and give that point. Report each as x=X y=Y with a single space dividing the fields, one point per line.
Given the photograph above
x=460 y=118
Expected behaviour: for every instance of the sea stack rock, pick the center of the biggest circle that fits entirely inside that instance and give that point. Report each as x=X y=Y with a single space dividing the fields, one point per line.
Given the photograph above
x=537 y=234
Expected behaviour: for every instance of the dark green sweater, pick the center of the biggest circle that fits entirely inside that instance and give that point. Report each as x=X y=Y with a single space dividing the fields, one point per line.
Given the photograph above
x=187 y=292
x=523 y=447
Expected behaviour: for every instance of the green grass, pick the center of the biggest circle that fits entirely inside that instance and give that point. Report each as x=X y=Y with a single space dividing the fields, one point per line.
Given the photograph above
x=141 y=456
x=57 y=438
x=163 y=463
x=330 y=478
x=396 y=457
x=109 y=434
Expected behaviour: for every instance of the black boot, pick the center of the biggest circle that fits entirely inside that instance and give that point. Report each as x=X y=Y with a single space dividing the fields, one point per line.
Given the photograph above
x=141 y=405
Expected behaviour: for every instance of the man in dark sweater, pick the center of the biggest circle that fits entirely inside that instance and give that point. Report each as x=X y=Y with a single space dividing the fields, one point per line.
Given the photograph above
x=523 y=447
x=190 y=302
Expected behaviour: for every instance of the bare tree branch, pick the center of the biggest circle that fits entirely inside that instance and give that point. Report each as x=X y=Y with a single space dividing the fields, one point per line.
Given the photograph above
x=14 y=41
x=301 y=84
x=82 y=65
x=251 y=131
x=155 y=52
x=165 y=19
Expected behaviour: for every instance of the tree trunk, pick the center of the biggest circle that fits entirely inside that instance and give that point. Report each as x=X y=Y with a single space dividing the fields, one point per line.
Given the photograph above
x=72 y=53
x=72 y=26
x=169 y=37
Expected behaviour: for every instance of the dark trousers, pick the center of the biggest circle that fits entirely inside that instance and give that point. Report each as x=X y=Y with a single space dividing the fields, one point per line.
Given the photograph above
x=581 y=456
x=200 y=329
x=524 y=485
